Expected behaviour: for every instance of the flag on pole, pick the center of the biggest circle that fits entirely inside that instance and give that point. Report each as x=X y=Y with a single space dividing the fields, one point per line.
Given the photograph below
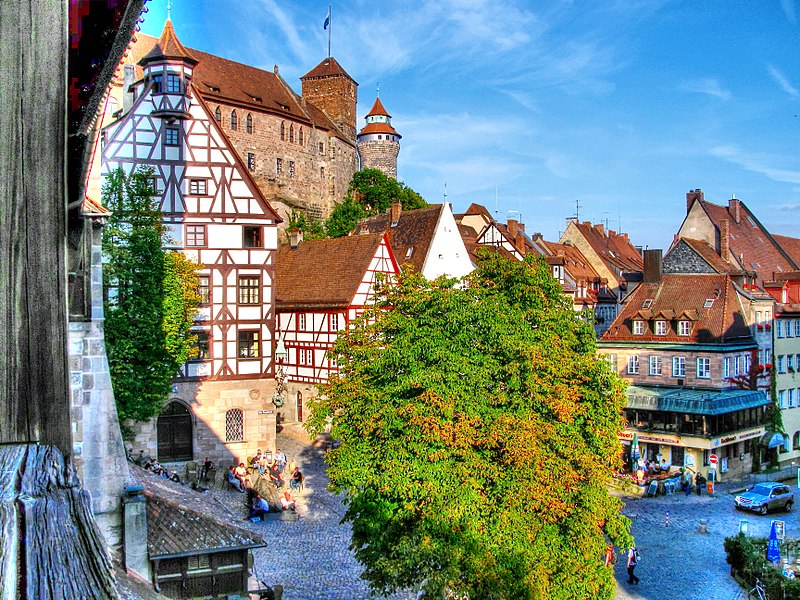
x=327 y=19
x=773 y=545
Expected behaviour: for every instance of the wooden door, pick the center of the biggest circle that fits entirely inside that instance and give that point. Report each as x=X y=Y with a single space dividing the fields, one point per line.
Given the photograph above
x=175 y=433
x=300 y=407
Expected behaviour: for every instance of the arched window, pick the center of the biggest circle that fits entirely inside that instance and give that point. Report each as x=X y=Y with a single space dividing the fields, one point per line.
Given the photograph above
x=291 y=134
x=283 y=131
x=234 y=425
x=249 y=123
x=218 y=115
x=300 y=136
x=234 y=120
x=796 y=441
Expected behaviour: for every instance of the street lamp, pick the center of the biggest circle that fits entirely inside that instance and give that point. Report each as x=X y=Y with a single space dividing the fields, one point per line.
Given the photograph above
x=280 y=355
x=743 y=526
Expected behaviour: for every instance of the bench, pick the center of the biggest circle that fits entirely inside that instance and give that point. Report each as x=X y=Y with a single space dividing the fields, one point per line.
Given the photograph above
x=284 y=515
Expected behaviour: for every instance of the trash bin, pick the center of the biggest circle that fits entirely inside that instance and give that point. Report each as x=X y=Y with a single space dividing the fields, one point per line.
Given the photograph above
x=710 y=485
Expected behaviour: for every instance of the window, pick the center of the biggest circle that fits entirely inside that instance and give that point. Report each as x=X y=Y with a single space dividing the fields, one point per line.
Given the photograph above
x=612 y=361
x=234 y=120
x=249 y=123
x=198 y=187
x=305 y=356
x=251 y=161
x=202 y=346
x=173 y=84
x=655 y=365
x=196 y=235
x=638 y=328
x=796 y=441
x=301 y=322
x=684 y=327
x=248 y=344
x=291 y=134
x=322 y=173
x=797 y=328
x=790 y=362
x=633 y=365
x=747 y=363
x=249 y=289
x=704 y=368
x=334 y=323
x=204 y=289
x=283 y=131
x=679 y=366
x=199 y=562
x=171 y=136
x=218 y=115
x=234 y=425
x=300 y=137
x=781 y=363
x=726 y=367
x=661 y=328
x=252 y=237
x=321 y=148
x=291 y=168
x=278 y=166
x=791 y=395
x=708 y=303
x=157 y=84
x=647 y=303
x=782 y=398
x=737 y=366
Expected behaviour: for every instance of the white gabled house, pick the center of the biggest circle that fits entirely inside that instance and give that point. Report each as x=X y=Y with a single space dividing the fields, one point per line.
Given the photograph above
x=217 y=216
x=322 y=286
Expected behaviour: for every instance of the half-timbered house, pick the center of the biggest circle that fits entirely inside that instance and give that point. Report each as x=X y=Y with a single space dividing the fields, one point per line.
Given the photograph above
x=216 y=215
x=322 y=286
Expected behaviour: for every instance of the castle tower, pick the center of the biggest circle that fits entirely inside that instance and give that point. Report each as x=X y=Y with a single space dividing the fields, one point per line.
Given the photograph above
x=329 y=87
x=378 y=143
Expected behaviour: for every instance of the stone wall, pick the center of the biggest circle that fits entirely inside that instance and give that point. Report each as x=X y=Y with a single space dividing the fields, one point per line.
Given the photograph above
x=337 y=96
x=380 y=154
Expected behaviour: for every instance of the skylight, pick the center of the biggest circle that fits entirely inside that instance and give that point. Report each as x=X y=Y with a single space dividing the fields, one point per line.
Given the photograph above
x=709 y=303
x=647 y=303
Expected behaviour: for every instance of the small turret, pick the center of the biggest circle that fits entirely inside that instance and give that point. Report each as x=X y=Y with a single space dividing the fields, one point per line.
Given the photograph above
x=379 y=143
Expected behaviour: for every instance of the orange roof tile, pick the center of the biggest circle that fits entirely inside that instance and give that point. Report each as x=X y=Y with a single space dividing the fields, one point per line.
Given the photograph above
x=790 y=245
x=167 y=46
x=323 y=273
x=684 y=296
x=327 y=68
x=378 y=109
x=613 y=248
x=378 y=128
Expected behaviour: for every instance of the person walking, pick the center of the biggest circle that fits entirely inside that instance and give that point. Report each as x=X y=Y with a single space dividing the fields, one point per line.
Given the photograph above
x=633 y=560
x=611 y=559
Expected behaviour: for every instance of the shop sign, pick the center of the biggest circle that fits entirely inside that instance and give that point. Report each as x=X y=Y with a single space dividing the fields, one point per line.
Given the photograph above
x=738 y=437
x=628 y=435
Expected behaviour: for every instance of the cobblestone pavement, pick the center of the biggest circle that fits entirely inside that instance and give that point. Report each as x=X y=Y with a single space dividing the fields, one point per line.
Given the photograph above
x=311 y=559
x=680 y=563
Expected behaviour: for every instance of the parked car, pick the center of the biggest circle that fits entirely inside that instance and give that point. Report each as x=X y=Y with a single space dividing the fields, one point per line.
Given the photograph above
x=764 y=497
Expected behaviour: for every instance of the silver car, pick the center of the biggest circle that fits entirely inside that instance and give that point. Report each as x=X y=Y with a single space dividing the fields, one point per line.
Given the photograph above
x=764 y=497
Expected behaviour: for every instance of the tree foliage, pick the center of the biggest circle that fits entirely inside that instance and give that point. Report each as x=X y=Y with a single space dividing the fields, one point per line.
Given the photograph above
x=313 y=229
x=371 y=192
x=151 y=298
x=478 y=431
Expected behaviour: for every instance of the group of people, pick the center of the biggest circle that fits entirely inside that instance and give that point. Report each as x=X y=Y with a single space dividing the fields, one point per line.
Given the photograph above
x=686 y=482
x=155 y=468
x=633 y=560
x=652 y=468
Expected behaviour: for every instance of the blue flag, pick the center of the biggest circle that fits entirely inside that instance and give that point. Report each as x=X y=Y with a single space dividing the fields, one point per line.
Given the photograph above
x=773 y=547
x=327 y=19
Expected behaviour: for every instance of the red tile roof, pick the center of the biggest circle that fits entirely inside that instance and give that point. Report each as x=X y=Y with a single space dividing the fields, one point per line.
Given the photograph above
x=218 y=79
x=323 y=273
x=411 y=237
x=750 y=243
x=378 y=109
x=790 y=245
x=181 y=521
x=327 y=68
x=167 y=46
x=613 y=248
x=378 y=127
x=683 y=297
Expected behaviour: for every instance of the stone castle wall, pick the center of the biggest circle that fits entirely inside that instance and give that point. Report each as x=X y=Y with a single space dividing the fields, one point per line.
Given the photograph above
x=337 y=96
x=380 y=154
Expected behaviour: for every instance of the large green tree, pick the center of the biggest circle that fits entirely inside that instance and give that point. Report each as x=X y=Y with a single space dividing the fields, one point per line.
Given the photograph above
x=151 y=298
x=478 y=432
x=371 y=192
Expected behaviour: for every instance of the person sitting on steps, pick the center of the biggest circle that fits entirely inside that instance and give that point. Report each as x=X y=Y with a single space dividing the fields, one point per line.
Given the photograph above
x=233 y=480
x=259 y=509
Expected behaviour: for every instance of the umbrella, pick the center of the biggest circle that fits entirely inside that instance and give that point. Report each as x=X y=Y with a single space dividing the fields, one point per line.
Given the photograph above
x=773 y=549
x=635 y=447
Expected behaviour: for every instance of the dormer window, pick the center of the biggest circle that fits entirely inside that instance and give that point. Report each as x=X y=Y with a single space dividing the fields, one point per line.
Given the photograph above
x=661 y=328
x=708 y=303
x=173 y=84
x=638 y=328
x=647 y=303
x=684 y=327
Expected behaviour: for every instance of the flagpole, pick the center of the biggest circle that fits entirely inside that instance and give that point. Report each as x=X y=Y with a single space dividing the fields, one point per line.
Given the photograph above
x=329 y=30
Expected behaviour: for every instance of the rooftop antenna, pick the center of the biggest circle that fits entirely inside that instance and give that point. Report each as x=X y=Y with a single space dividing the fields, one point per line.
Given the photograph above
x=619 y=220
x=169 y=10
x=378 y=89
x=577 y=210
x=445 y=192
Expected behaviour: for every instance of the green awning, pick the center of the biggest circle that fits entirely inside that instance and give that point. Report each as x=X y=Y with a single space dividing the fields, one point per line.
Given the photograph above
x=697 y=402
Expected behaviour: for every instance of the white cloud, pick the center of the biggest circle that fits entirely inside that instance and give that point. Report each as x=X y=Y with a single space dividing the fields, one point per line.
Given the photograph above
x=788 y=10
x=757 y=163
x=781 y=80
x=707 y=85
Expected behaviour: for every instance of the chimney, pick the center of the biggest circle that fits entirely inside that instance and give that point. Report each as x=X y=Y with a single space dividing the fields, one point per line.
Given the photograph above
x=652 y=266
x=134 y=508
x=521 y=227
x=512 y=228
x=396 y=209
x=537 y=237
x=735 y=208
x=599 y=229
x=520 y=242
x=295 y=238
x=725 y=240
x=691 y=196
x=128 y=77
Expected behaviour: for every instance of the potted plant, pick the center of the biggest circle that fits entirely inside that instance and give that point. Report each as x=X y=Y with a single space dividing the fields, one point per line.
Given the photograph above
x=768 y=326
x=760 y=327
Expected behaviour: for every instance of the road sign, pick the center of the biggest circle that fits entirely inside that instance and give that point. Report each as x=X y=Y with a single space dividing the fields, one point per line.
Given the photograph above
x=712 y=459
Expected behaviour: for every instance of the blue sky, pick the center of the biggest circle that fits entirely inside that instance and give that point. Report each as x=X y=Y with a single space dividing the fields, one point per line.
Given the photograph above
x=529 y=107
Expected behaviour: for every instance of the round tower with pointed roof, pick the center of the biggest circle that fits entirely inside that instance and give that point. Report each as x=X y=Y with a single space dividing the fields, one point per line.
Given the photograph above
x=379 y=143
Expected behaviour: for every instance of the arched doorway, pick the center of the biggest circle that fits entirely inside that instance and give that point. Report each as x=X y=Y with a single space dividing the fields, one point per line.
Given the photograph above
x=300 y=407
x=174 y=433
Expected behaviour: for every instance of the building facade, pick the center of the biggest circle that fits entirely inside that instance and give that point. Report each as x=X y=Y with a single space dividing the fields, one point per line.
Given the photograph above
x=217 y=216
